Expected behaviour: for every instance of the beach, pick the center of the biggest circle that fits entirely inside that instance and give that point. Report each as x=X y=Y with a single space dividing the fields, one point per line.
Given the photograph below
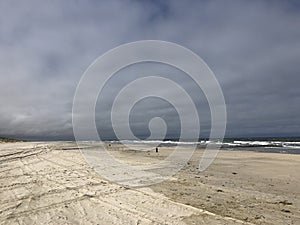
x=51 y=183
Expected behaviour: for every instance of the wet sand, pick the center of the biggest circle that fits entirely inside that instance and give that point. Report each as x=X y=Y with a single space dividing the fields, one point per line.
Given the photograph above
x=50 y=183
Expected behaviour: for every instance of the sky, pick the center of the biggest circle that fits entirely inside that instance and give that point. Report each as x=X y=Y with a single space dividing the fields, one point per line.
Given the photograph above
x=253 y=48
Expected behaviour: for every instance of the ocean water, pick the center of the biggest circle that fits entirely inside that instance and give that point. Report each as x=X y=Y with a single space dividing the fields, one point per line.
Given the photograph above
x=279 y=145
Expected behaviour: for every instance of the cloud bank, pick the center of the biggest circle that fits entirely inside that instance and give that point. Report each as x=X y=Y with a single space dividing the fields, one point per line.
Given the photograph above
x=253 y=47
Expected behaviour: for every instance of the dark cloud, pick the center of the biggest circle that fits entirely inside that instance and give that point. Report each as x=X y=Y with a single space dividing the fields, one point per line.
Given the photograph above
x=253 y=47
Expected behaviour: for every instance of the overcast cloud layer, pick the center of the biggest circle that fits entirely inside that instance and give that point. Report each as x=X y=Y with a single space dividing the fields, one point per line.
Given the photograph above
x=253 y=47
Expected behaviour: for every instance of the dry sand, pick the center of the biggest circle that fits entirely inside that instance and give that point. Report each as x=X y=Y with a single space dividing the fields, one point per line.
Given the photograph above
x=50 y=183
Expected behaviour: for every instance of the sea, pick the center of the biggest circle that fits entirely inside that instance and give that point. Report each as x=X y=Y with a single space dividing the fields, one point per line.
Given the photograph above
x=288 y=145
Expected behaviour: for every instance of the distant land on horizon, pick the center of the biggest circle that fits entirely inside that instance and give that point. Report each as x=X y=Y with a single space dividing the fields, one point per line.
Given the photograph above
x=5 y=139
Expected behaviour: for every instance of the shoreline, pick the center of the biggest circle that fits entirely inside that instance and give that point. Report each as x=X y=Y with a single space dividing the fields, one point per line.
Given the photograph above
x=50 y=182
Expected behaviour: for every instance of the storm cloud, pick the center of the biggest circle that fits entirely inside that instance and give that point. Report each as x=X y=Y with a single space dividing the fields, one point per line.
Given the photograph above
x=253 y=47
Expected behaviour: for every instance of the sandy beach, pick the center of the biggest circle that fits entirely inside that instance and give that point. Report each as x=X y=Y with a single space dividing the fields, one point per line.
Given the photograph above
x=51 y=183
